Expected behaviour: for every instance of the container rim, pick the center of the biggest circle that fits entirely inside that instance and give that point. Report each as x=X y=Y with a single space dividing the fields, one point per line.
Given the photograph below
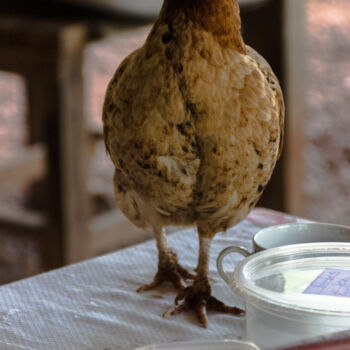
x=295 y=224
x=188 y=345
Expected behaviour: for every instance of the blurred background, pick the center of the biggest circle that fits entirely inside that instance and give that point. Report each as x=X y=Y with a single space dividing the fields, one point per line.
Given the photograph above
x=56 y=58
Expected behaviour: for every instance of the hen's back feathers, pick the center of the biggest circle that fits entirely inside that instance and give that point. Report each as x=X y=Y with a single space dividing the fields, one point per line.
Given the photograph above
x=193 y=128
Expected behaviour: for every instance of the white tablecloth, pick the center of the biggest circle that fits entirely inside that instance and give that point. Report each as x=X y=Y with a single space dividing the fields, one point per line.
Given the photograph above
x=93 y=304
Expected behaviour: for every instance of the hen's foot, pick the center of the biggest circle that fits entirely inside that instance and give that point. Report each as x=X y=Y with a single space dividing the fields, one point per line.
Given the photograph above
x=169 y=270
x=198 y=298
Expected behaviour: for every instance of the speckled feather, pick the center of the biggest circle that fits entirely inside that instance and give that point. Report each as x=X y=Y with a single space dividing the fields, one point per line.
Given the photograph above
x=193 y=122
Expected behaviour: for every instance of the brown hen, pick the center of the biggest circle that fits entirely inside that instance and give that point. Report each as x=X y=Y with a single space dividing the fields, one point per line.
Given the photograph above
x=193 y=122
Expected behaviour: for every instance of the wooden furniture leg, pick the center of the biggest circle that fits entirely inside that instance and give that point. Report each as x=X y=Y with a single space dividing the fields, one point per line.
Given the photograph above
x=65 y=136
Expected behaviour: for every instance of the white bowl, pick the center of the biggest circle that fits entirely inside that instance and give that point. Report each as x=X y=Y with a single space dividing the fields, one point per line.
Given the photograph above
x=203 y=345
x=294 y=293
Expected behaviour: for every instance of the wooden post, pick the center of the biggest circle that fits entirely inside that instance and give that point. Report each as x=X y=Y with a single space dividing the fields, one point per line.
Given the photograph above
x=73 y=143
x=296 y=73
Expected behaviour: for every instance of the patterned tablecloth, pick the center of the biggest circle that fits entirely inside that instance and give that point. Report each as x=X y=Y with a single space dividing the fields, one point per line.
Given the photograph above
x=93 y=304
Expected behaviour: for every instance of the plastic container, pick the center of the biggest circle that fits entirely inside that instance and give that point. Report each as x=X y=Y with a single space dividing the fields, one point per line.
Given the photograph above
x=207 y=345
x=294 y=292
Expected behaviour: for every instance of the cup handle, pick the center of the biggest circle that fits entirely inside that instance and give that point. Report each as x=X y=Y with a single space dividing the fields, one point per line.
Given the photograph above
x=223 y=254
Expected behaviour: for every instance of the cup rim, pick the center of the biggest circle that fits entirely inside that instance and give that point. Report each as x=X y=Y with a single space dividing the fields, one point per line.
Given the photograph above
x=294 y=224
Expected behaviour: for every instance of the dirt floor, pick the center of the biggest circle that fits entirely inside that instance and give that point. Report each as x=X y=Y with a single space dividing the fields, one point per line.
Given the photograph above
x=327 y=127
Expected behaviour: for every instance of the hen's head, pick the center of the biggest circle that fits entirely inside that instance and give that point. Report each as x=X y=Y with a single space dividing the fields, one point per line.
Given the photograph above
x=220 y=17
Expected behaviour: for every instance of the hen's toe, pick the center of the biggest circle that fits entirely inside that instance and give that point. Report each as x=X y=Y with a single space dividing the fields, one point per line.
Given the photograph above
x=198 y=298
x=169 y=271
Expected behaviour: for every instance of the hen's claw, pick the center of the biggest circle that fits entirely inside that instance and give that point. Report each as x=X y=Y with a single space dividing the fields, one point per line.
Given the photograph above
x=184 y=273
x=200 y=300
x=169 y=271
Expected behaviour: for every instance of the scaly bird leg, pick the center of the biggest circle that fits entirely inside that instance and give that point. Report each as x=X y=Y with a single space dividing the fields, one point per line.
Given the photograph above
x=198 y=297
x=169 y=270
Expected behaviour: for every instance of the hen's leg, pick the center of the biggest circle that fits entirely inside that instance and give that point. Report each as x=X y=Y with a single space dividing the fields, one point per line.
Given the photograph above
x=168 y=267
x=198 y=297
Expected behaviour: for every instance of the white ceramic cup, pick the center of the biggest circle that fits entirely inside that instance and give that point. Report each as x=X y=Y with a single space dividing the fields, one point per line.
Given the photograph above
x=287 y=234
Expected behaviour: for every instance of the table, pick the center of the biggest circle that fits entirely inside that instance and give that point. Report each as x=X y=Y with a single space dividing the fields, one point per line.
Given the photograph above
x=93 y=304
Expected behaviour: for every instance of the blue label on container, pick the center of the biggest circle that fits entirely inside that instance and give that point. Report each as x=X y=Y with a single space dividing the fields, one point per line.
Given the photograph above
x=332 y=282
